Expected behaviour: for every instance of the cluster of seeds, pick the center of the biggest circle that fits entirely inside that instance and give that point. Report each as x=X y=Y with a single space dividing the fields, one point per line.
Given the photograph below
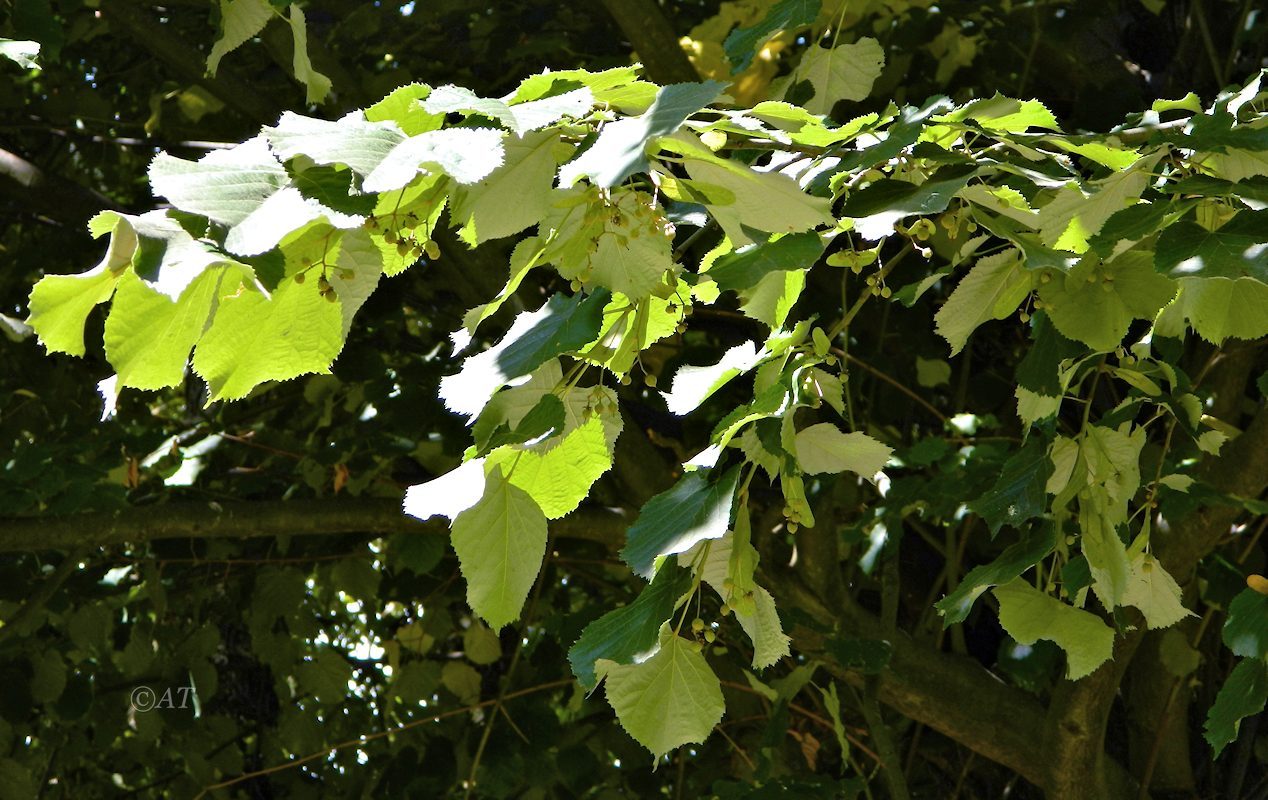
x=405 y=236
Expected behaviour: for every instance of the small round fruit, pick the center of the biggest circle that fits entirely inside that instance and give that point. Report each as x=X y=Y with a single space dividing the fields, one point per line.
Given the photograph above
x=432 y=249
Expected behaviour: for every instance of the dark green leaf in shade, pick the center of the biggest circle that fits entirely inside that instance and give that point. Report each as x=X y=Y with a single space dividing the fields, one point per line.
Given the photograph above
x=744 y=268
x=1244 y=694
x=1238 y=249
x=1018 y=557
x=1076 y=575
x=1039 y=370
x=742 y=43
x=690 y=511
x=333 y=188
x=1035 y=255
x=629 y=631
x=1217 y=131
x=1252 y=191
x=1246 y=629
x=544 y=418
x=902 y=134
x=561 y=325
x=1132 y=224
x=1020 y=492
x=930 y=197
x=619 y=151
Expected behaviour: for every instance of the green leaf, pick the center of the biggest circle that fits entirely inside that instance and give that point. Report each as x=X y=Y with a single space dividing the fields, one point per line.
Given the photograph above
x=772 y=299
x=326 y=676
x=535 y=114
x=500 y=544
x=1217 y=309
x=481 y=645
x=561 y=325
x=1032 y=548
x=149 y=337
x=1151 y=589
x=1244 y=694
x=1096 y=303
x=621 y=241
x=992 y=290
x=787 y=15
x=1071 y=218
x=240 y=20
x=404 y=107
x=1040 y=369
x=359 y=144
x=463 y=680
x=693 y=385
x=515 y=195
x=1112 y=457
x=468 y=155
x=824 y=448
x=359 y=255
x=626 y=634
x=448 y=495
x=168 y=258
x=1030 y=615
x=1246 y=629
x=245 y=188
x=673 y=521
x=744 y=267
x=764 y=629
x=318 y=85
x=763 y=201
x=453 y=99
x=671 y=699
x=1033 y=408
x=876 y=207
x=1236 y=250
x=845 y=72
x=543 y=420
x=254 y=339
x=21 y=52
x=60 y=305
x=560 y=478
x=1018 y=494
x=619 y=151
x=1004 y=114
x=1105 y=553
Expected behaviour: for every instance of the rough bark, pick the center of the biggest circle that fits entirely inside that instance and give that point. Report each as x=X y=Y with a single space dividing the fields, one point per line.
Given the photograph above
x=653 y=39
x=1075 y=730
x=367 y=516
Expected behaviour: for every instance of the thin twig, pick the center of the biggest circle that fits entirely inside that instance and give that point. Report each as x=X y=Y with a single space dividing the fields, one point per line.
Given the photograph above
x=246 y=776
x=892 y=382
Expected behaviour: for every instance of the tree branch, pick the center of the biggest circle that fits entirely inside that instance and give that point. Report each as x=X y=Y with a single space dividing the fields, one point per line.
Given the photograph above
x=952 y=694
x=187 y=61
x=1079 y=710
x=367 y=516
x=49 y=195
x=653 y=39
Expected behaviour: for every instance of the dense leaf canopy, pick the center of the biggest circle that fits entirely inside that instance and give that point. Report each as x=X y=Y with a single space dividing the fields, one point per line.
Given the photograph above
x=839 y=408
